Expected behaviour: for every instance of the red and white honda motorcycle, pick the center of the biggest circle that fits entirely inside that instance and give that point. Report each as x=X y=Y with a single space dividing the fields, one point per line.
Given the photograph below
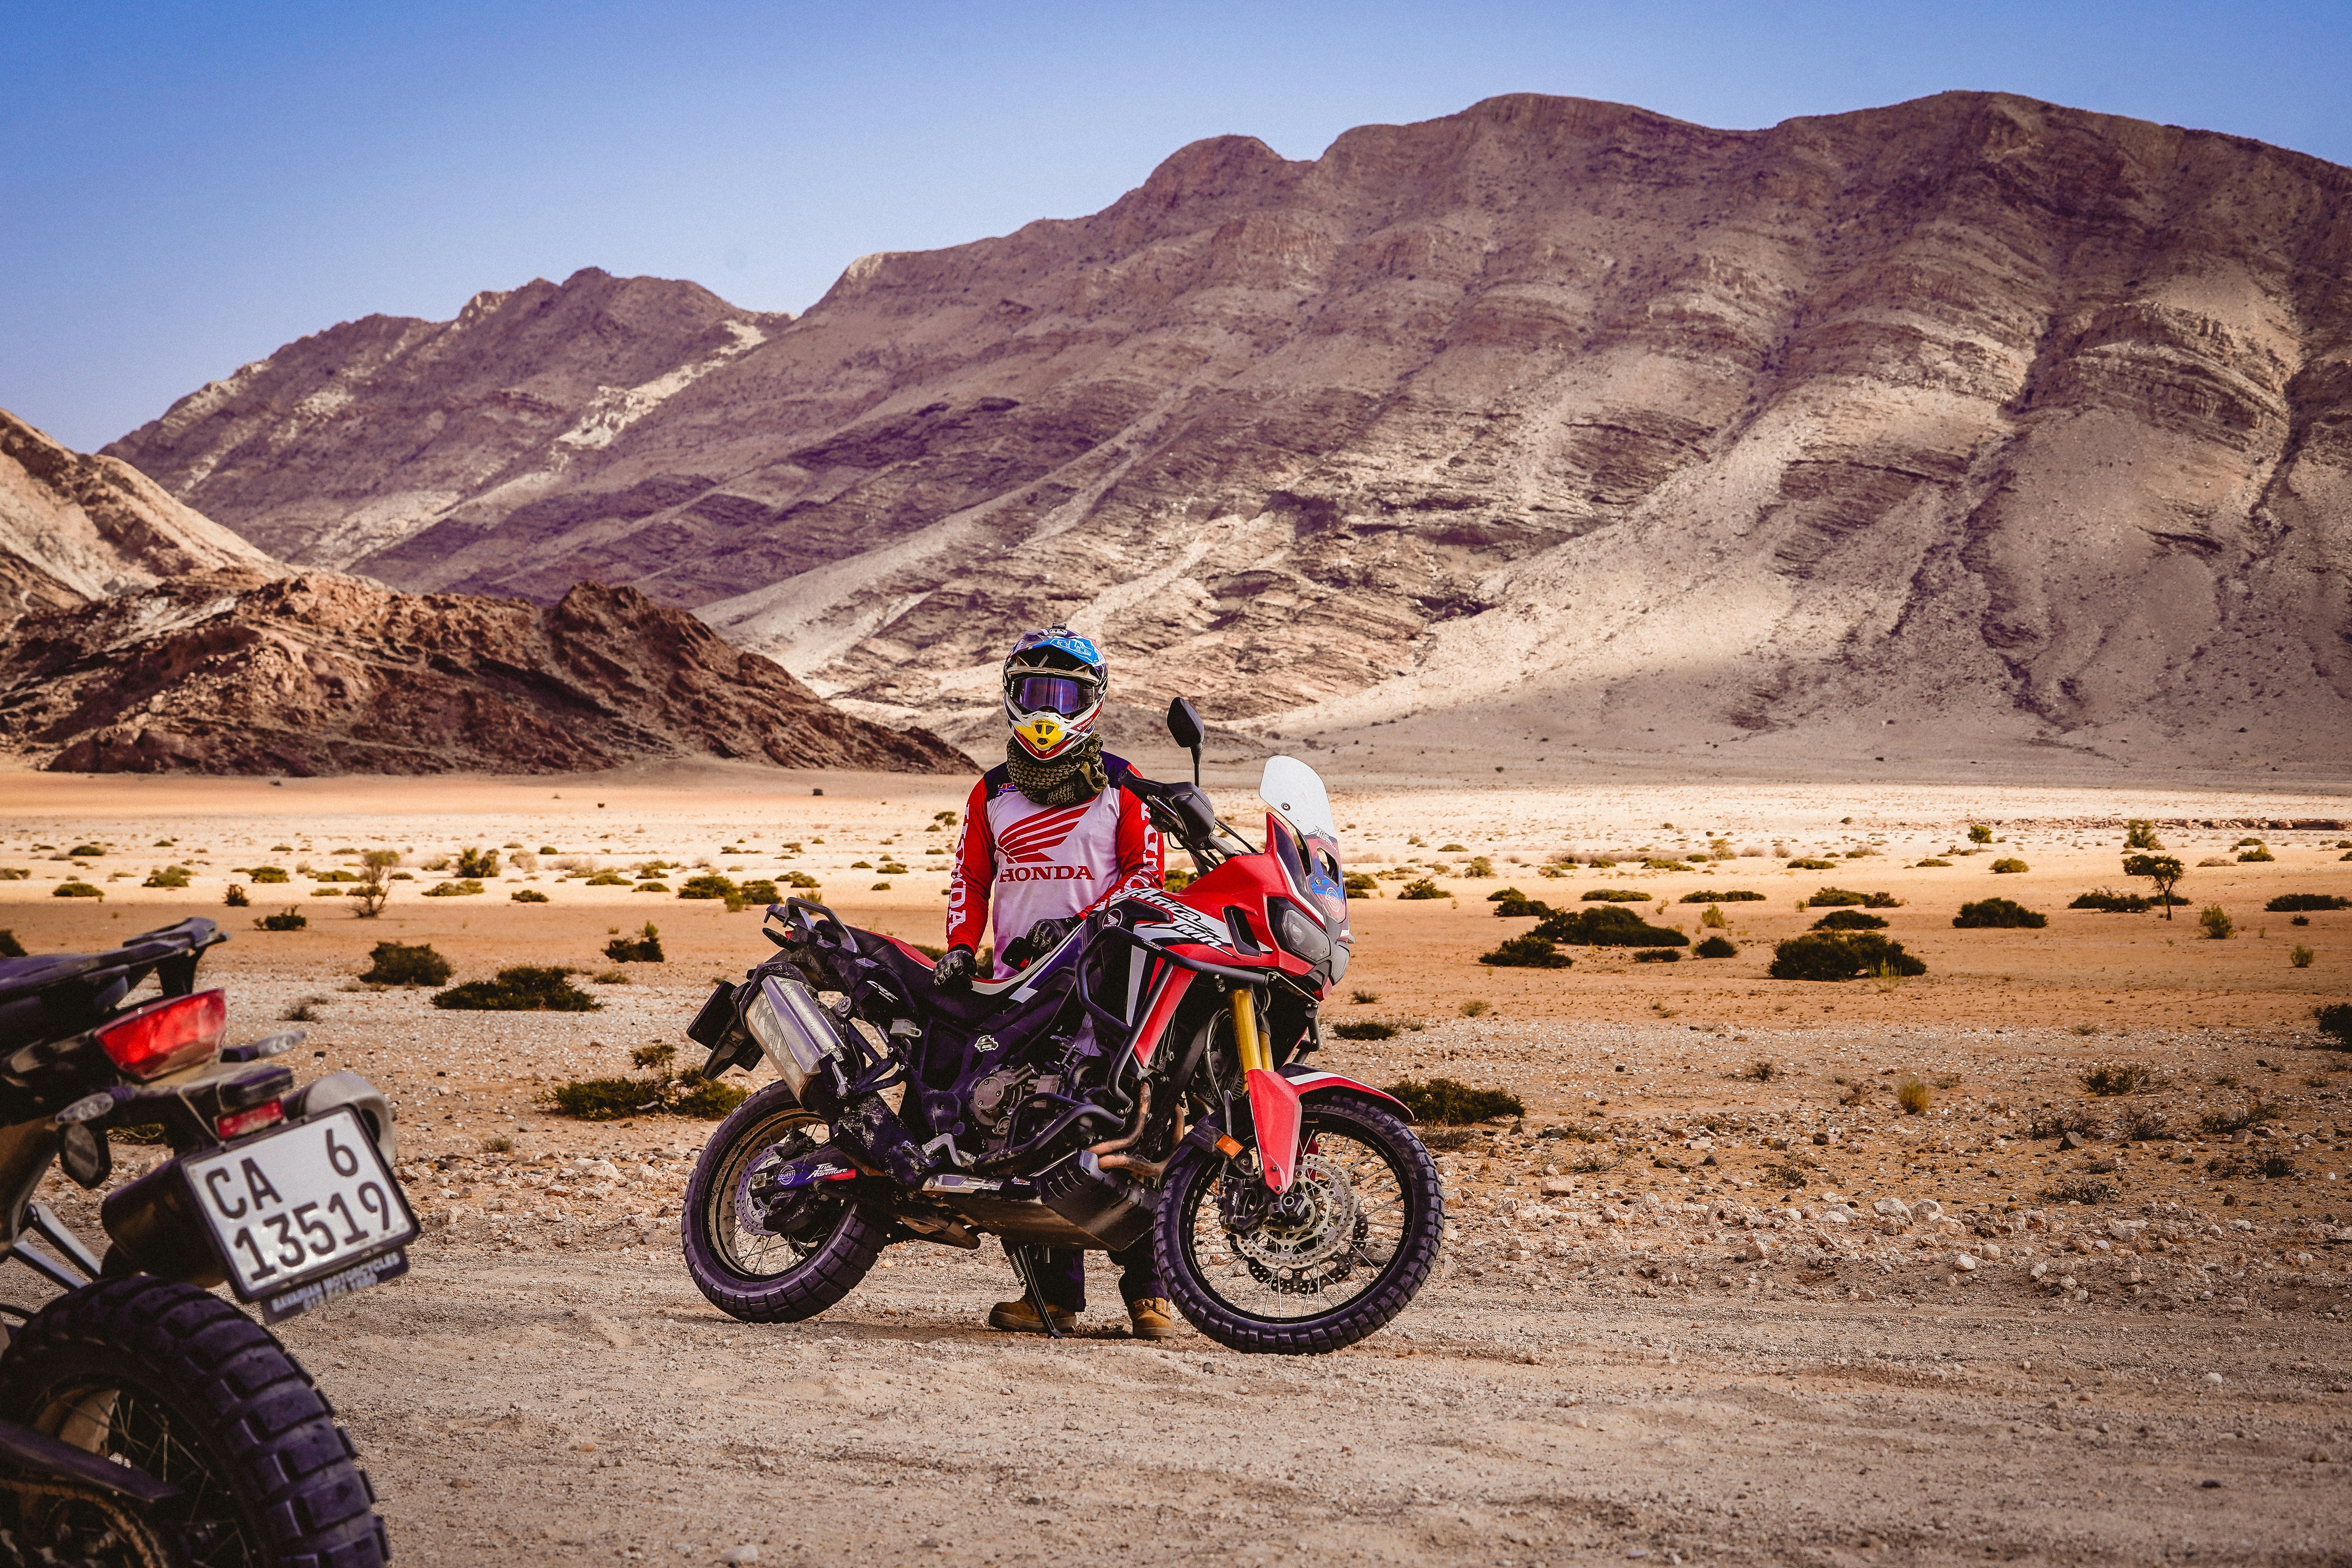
x=1148 y=1074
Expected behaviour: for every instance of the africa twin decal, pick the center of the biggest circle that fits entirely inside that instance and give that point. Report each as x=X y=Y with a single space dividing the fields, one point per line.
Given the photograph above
x=1183 y=922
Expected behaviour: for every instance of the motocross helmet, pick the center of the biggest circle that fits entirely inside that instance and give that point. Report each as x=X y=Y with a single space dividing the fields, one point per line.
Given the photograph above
x=1054 y=687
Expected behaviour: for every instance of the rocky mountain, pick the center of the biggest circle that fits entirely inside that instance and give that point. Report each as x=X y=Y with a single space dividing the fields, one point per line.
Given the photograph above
x=75 y=528
x=234 y=672
x=1965 y=423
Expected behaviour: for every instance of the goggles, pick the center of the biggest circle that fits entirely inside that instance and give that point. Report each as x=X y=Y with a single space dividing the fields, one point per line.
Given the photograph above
x=1063 y=694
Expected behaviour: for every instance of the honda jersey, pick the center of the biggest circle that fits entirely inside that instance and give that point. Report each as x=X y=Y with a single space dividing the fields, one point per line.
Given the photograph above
x=1032 y=862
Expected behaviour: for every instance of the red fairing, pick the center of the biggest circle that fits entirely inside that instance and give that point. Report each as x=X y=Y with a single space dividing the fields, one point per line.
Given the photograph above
x=1274 y=1113
x=1154 y=1027
x=1312 y=1080
x=1243 y=882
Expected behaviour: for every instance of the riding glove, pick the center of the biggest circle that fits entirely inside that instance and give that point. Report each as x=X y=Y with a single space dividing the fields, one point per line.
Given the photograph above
x=953 y=972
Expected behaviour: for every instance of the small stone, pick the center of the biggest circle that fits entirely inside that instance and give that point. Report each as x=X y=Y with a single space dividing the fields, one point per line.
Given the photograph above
x=1558 y=1186
x=1710 y=1160
x=1821 y=1139
x=747 y=1553
x=1893 y=1208
x=1964 y=1263
x=2069 y=1142
x=1758 y=1250
x=2214 y=1378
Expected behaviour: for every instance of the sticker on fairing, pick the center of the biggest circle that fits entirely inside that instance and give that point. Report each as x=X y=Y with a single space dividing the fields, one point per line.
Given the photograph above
x=1184 y=924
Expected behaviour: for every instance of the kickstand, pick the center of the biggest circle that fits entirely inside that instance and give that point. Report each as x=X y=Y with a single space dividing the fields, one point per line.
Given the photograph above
x=1025 y=1269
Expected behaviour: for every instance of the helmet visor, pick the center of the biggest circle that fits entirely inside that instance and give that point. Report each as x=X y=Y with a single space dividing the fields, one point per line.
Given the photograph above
x=1063 y=694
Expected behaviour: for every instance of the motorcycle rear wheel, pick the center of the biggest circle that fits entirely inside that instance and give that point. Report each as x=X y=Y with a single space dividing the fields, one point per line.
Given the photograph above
x=1310 y=1290
x=177 y=1383
x=752 y=1274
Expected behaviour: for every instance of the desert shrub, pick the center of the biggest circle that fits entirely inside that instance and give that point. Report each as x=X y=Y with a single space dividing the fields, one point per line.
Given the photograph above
x=608 y=880
x=10 y=947
x=168 y=877
x=1712 y=918
x=2111 y=903
x=2258 y=852
x=1454 y=849
x=2336 y=1022
x=2144 y=1123
x=2300 y=956
x=1763 y=1072
x=1654 y=864
x=1715 y=947
x=1479 y=867
x=1529 y=952
x=1364 y=1029
x=477 y=863
x=2065 y=1118
x=1360 y=885
x=1835 y=898
x=334 y=877
x=2140 y=834
x=1423 y=889
x=1840 y=955
x=709 y=885
x=74 y=887
x=235 y=897
x=1997 y=914
x=757 y=893
x=2287 y=903
x=2239 y=1117
x=644 y=947
x=524 y=988
x=2088 y=1190
x=1609 y=925
x=1931 y=860
x=1452 y=1103
x=1504 y=895
x=14 y=874
x=286 y=919
x=2009 y=866
x=1613 y=896
x=1807 y=863
x=1913 y=1096
x=651 y=885
x=2216 y=921
x=1476 y=1007
x=1728 y=895
x=887 y=869
x=2119 y=1077
x=465 y=890
x=1850 y=919
x=685 y=1093
x=1176 y=883
x=1979 y=834
x=1658 y=956
x=86 y=849
x=528 y=896
x=400 y=964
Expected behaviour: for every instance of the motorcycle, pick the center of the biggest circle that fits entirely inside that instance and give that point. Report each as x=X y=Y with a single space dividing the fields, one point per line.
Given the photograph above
x=1146 y=1075
x=143 y=1420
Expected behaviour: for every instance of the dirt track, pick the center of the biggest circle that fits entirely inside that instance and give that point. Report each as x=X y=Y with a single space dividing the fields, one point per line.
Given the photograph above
x=1604 y=1368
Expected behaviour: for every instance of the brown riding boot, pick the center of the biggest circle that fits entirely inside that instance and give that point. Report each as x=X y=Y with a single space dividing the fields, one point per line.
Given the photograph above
x=1019 y=1317
x=1151 y=1318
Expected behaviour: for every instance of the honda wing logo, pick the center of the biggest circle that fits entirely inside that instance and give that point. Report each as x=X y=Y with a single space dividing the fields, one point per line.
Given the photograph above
x=1034 y=840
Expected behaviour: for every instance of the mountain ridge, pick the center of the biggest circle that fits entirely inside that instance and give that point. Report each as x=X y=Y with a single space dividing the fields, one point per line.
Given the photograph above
x=1971 y=416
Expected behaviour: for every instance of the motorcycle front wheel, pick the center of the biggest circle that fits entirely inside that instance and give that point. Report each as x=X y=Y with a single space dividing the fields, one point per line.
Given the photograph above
x=747 y=1271
x=1337 y=1256
x=173 y=1381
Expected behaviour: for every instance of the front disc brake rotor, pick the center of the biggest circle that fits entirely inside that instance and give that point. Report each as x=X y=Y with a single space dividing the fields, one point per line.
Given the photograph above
x=1313 y=1221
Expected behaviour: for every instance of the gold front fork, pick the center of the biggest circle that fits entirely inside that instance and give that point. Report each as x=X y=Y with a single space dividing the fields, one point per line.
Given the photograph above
x=1247 y=1043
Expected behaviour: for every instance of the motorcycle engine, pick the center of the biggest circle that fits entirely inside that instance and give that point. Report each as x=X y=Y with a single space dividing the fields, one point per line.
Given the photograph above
x=996 y=1096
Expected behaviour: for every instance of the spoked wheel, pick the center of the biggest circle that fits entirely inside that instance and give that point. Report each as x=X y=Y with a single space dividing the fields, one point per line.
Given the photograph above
x=742 y=1267
x=176 y=1383
x=1327 y=1263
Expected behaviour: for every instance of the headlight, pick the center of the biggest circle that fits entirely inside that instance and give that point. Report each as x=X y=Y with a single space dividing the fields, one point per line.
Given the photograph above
x=1299 y=934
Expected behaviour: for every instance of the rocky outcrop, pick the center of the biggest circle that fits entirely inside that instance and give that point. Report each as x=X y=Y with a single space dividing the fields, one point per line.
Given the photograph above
x=1968 y=422
x=232 y=672
x=75 y=528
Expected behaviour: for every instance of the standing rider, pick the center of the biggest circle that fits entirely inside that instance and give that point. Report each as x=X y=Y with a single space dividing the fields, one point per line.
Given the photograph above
x=1047 y=836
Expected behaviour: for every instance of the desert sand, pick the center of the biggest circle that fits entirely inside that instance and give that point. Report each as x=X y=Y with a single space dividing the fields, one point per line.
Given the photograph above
x=1687 y=1330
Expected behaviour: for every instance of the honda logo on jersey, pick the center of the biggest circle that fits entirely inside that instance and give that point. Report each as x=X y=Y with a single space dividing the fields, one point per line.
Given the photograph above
x=1034 y=840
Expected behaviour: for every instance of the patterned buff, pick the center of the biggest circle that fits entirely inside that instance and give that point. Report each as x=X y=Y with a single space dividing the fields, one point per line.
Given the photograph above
x=1065 y=781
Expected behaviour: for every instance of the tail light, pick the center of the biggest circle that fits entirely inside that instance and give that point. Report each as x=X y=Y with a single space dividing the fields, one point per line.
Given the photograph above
x=237 y=1124
x=164 y=1036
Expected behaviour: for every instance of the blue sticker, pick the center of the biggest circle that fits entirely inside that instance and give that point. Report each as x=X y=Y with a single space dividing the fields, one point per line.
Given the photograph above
x=1068 y=642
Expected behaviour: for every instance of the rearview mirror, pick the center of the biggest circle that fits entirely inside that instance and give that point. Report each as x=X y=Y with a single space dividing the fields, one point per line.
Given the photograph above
x=1183 y=724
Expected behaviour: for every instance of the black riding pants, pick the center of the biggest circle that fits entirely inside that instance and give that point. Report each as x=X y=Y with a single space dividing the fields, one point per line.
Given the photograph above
x=1062 y=1275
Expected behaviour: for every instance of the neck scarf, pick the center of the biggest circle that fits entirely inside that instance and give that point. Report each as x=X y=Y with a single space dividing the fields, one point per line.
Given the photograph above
x=1068 y=780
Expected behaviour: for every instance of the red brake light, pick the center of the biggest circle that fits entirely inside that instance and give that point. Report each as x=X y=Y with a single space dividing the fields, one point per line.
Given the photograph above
x=164 y=1036
x=237 y=1124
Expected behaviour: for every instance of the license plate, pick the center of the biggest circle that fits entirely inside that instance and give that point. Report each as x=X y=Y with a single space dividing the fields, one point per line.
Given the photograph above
x=291 y=1208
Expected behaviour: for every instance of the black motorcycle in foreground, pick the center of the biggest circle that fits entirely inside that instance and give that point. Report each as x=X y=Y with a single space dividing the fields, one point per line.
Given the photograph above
x=142 y=1419
x=1145 y=1075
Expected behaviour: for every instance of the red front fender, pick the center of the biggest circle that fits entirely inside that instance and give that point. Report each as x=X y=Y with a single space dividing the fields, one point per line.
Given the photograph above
x=1309 y=1081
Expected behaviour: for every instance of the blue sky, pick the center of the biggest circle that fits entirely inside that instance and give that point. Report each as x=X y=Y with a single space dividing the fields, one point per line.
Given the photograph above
x=184 y=187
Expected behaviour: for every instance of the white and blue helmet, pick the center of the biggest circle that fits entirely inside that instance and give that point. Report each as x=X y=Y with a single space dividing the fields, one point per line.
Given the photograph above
x=1054 y=685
